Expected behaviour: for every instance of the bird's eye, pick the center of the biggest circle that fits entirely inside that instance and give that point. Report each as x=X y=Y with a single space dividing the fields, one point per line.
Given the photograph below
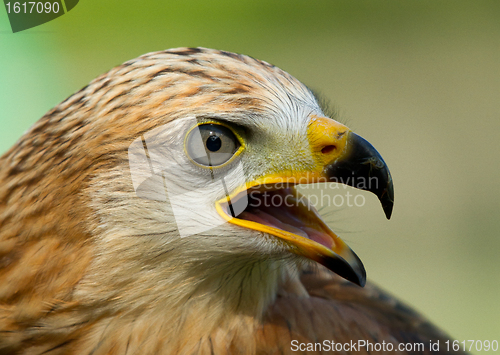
x=211 y=144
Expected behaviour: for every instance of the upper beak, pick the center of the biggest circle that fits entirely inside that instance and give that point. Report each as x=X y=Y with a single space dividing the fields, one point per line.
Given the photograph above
x=362 y=167
x=349 y=159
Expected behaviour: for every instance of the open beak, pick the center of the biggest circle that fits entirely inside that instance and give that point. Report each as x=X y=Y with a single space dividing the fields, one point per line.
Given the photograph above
x=272 y=205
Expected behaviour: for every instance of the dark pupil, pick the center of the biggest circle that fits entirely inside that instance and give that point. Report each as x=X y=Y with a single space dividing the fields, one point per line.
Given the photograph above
x=213 y=143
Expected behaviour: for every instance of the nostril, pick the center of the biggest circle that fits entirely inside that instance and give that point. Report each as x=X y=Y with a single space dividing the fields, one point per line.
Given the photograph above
x=328 y=149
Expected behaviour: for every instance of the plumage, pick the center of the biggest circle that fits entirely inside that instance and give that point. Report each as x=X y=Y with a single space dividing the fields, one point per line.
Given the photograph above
x=88 y=266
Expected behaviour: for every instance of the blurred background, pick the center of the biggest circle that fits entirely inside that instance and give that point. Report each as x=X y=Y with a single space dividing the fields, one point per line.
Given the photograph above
x=420 y=79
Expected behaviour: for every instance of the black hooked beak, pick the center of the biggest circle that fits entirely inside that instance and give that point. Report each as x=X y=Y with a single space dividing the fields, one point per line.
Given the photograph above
x=362 y=167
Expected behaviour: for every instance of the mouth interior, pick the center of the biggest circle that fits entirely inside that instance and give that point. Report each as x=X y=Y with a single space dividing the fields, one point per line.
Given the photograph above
x=284 y=210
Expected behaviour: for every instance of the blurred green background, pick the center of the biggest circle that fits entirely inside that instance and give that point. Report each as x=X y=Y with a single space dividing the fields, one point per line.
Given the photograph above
x=420 y=79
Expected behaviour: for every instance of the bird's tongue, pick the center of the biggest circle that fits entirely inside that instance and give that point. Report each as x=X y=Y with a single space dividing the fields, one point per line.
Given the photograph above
x=284 y=209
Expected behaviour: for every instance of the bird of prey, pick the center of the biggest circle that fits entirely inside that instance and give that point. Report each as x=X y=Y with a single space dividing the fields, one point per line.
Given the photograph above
x=155 y=211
